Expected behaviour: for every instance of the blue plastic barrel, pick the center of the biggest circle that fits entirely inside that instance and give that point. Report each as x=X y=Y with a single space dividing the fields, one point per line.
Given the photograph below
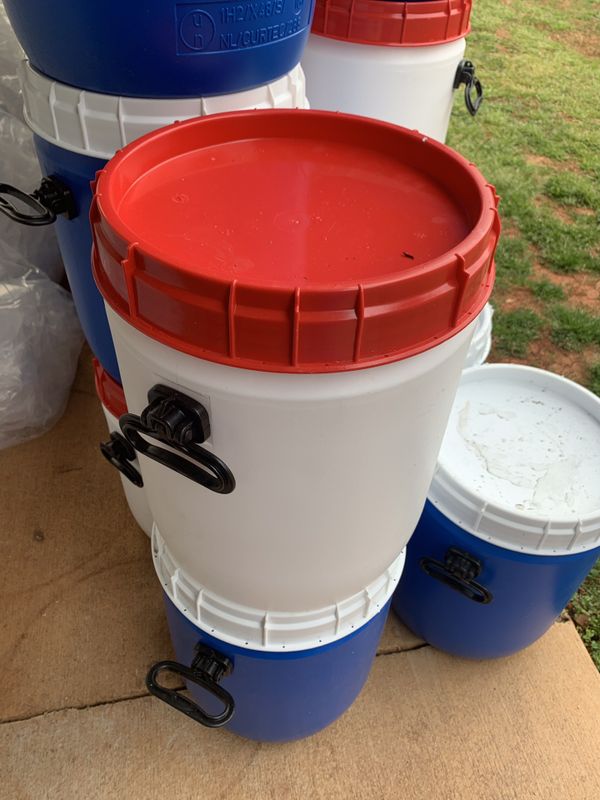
x=283 y=674
x=282 y=696
x=162 y=48
x=512 y=524
x=527 y=592
x=75 y=241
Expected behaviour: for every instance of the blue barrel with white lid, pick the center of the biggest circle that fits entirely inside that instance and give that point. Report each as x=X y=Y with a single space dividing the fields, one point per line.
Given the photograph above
x=512 y=522
x=266 y=676
x=77 y=132
x=162 y=48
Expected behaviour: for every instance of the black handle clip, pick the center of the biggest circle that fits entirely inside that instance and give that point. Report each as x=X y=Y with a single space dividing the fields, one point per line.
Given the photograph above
x=52 y=199
x=207 y=670
x=118 y=452
x=458 y=572
x=176 y=420
x=465 y=73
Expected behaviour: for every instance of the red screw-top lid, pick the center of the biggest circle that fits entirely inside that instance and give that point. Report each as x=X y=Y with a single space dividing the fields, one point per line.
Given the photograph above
x=294 y=241
x=396 y=24
x=109 y=391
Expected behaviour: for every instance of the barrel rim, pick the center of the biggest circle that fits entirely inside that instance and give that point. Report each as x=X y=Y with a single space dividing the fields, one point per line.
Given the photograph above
x=272 y=325
x=501 y=525
x=98 y=125
x=270 y=630
x=393 y=24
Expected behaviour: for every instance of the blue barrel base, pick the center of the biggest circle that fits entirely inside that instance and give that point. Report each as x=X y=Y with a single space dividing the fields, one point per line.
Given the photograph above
x=282 y=696
x=528 y=592
x=474 y=654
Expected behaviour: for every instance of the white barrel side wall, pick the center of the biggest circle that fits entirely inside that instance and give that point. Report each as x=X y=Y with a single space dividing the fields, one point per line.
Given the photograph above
x=332 y=470
x=135 y=495
x=408 y=86
x=481 y=343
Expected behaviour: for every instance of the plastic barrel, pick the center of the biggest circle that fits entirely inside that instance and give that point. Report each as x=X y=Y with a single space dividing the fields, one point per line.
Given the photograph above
x=117 y=451
x=311 y=342
x=75 y=241
x=287 y=675
x=395 y=61
x=512 y=524
x=527 y=592
x=76 y=132
x=280 y=697
x=481 y=343
x=161 y=48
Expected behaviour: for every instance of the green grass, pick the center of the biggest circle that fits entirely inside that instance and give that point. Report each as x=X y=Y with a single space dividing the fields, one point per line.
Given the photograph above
x=537 y=139
x=594 y=378
x=585 y=610
x=513 y=261
x=572 y=189
x=514 y=330
x=574 y=328
x=546 y=291
x=538 y=134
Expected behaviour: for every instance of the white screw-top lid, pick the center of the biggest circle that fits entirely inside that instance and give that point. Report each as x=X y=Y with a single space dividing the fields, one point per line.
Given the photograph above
x=270 y=631
x=520 y=461
x=98 y=125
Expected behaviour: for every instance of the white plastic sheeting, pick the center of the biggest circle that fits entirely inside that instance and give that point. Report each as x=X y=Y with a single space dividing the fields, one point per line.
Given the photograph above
x=40 y=336
x=18 y=163
x=40 y=340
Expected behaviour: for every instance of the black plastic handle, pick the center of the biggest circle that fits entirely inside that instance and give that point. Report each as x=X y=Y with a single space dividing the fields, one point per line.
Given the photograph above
x=42 y=215
x=182 y=423
x=118 y=452
x=52 y=199
x=465 y=73
x=458 y=572
x=207 y=669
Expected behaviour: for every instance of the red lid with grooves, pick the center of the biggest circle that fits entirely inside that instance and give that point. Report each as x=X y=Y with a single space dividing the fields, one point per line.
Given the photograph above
x=109 y=391
x=395 y=24
x=294 y=241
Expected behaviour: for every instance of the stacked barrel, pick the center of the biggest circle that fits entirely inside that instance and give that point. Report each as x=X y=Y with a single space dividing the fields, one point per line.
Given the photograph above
x=289 y=356
x=280 y=303
x=98 y=78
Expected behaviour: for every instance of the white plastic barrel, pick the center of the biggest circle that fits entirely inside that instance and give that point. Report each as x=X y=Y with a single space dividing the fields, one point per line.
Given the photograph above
x=324 y=464
x=135 y=496
x=277 y=326
x=481 y=343
x=388 y=60
x=112 y=400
